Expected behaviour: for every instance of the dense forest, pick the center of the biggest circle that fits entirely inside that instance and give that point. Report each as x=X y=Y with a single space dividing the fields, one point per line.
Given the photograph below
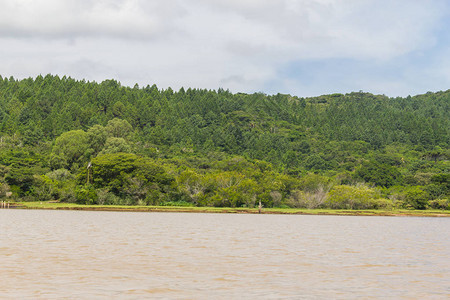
x=103 y=143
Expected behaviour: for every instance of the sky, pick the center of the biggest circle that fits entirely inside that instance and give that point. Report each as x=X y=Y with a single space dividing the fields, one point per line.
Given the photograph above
x=298 y=47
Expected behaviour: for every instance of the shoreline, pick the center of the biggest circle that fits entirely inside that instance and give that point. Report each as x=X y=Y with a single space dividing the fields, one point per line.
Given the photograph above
x=230 y=210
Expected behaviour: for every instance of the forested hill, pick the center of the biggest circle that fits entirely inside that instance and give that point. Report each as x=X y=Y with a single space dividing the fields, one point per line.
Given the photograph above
x=203 y=147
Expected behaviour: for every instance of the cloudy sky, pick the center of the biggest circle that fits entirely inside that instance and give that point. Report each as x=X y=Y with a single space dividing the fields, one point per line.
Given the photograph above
x=300 y=47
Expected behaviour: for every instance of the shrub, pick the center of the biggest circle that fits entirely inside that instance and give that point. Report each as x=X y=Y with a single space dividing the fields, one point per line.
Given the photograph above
x=68 y=195
x=351 y=197
x=415 y=198
x=311 y=200
x=85 y=195
x=439 y=204
x=382 y=203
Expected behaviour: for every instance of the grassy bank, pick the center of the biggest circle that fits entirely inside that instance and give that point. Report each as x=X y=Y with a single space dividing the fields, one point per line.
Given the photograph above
x=291 y=211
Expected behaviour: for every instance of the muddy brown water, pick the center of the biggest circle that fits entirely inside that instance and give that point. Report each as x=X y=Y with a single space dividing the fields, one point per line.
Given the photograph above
x=130 y=255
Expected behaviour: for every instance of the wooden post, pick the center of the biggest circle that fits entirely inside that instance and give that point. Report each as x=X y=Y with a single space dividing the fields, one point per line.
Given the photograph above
x=259 y=206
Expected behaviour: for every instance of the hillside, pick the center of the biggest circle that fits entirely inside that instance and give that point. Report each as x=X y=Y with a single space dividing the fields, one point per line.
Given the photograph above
x=213 y=148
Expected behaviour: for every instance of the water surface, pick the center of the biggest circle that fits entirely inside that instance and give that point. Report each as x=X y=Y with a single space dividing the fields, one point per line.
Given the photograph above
x=131 y=255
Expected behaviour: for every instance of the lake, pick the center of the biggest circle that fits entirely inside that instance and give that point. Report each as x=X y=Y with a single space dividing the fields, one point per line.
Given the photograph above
x=130 y=255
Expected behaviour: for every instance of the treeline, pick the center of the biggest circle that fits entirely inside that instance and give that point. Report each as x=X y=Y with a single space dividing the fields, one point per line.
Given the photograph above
x=87 y=142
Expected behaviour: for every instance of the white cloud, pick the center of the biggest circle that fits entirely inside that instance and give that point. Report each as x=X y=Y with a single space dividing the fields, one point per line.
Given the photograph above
x=64 y=19
x=236 y=44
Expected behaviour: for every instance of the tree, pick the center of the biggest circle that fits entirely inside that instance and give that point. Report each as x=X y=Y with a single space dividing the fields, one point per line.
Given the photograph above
x=415 y=197
x=70 y=150
x=18 y=169
x=192 y=185
x=115 y=145
x=436 y=154
x=107 y=93
x=380 y=174
x=118 y=128
x=118 y=109
x=122 y=173
x=96 y=137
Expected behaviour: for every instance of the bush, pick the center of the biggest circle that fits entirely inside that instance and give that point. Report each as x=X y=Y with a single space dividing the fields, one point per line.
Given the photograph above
x=67 y=195
x=439 y=204
x=382 y=203
x=351 y=197
x=311 y=200
x=105 y=197
x=85 y=195
x=415 y=198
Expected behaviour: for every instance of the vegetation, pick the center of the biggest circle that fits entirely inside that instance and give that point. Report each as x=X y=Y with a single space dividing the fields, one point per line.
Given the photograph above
x=105 y=144
x=50 y=205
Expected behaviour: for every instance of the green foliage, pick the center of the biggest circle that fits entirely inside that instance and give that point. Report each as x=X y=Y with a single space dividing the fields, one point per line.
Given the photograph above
x=86 y=195
x=415 y=197
x=439 y=204
x=380 y=174
x=70 y=150
x=351 y=197
x=128 y=176
x=312 y=182
x=97 y=136
x=17 y=170
x=118 y=128
x=308 y=199
x=215 y=148
x=115 y=145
